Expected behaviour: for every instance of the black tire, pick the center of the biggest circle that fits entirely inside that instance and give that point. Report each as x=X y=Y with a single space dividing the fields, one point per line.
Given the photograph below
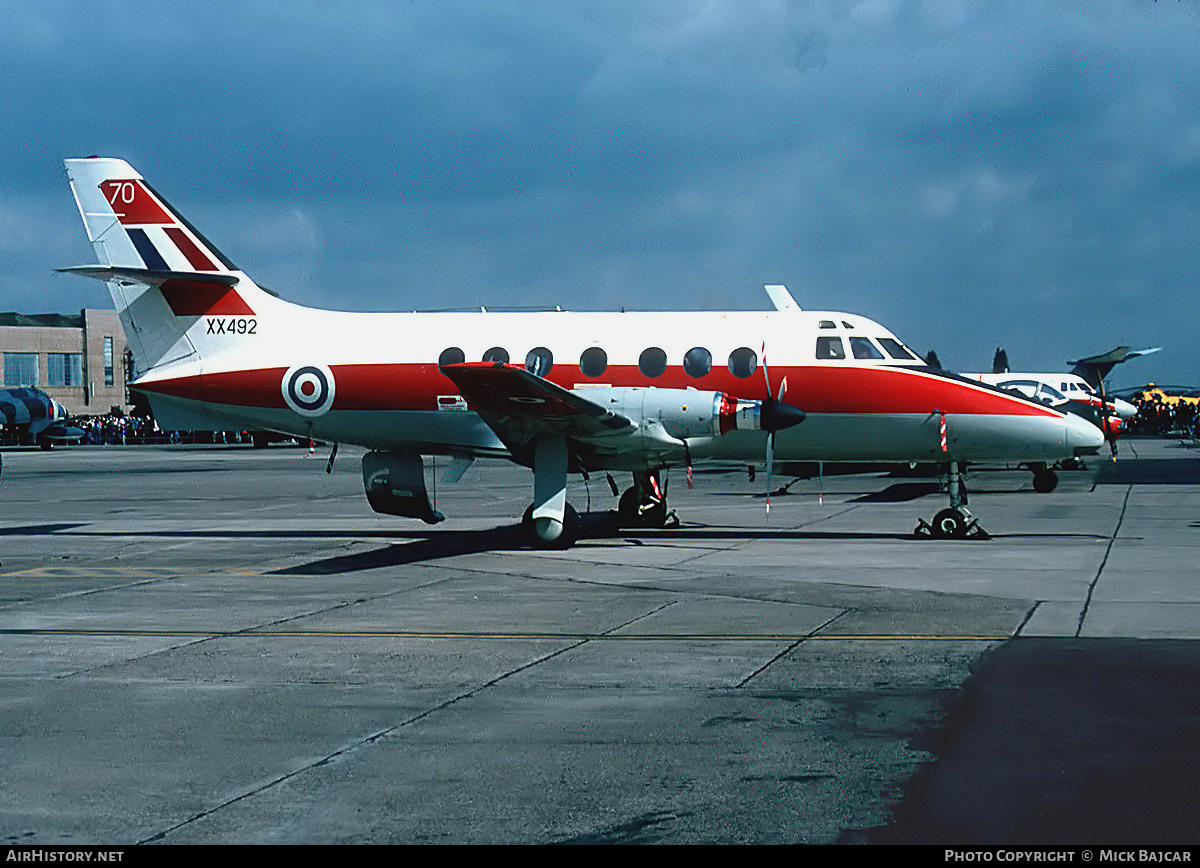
x=1045 y=481
x=949 y=524
x=630 y=513
x=627 y=508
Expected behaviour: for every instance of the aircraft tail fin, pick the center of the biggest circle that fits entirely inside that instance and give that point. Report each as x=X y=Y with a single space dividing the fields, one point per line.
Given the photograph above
x=166 y=279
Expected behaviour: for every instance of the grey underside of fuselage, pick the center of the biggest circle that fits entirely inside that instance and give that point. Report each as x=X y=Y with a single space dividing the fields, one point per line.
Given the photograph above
x=828 y=437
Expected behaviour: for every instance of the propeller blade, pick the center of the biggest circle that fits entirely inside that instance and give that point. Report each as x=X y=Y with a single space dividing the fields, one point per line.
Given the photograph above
x=770 y=465
x=766 y=373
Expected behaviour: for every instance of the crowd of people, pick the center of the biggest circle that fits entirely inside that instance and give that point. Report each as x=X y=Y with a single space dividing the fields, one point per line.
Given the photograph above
x=1165 y=415
x=119 y=429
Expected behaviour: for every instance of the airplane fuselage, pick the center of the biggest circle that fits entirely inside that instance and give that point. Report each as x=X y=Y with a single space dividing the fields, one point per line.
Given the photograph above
x=376 y=381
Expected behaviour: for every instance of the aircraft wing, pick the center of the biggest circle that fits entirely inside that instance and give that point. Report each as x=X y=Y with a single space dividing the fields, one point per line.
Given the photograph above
x=520 y=407
x=511 y=391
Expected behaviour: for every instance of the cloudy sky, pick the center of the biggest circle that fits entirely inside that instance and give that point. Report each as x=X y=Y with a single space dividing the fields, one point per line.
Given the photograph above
x=971 y=174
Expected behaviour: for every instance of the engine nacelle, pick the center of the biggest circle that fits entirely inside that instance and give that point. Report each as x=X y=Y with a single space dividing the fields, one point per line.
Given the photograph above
x=395 y=485
x=685 y=413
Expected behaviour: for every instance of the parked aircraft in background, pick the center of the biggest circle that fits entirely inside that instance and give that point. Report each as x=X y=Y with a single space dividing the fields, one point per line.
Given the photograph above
x=1081 y=391
x=36 y=416
x=590 y=392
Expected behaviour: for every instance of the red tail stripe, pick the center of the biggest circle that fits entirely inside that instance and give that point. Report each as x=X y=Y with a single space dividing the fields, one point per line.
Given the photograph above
x=189 y=298
x=195 y=256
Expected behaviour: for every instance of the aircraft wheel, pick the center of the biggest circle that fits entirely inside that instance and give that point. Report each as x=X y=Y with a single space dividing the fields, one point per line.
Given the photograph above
x=572 y=529
x=949 y=524
x=631 y=513
x=1045 y=481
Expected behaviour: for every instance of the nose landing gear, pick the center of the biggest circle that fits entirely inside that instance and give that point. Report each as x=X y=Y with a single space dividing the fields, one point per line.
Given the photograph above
x=955 y=522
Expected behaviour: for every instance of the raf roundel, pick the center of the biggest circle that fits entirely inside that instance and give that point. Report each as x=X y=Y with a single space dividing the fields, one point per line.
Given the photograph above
x=308 y=389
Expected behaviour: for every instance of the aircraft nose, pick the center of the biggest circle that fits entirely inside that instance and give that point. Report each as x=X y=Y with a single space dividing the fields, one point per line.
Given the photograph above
x=1124 y=409
x=1083 y=437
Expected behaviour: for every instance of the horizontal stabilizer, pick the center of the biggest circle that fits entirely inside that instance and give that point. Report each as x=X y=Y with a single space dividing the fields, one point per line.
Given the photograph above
x=1095 y=368
x=148 y=277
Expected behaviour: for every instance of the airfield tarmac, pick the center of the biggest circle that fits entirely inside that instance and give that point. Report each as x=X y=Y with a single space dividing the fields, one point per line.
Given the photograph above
x=225 y=645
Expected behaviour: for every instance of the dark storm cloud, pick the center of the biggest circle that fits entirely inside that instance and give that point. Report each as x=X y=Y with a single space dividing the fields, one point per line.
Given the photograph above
x=971 y=174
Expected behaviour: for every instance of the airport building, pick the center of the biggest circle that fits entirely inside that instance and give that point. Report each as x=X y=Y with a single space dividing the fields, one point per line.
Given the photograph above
x=77 y=359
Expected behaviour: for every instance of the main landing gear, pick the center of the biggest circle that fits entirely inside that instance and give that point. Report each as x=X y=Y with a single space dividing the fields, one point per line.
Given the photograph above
x=551 y=522
x=955 y=522
x=1045 y=479
x=644 y=504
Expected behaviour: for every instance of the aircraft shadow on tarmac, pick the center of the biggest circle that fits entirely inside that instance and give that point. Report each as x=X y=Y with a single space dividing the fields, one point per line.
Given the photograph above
x=432 y=545
x=419 y=545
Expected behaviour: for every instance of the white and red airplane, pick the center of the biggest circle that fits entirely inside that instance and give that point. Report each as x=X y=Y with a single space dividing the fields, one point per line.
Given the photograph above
x=1081 y=392
x=588 y=392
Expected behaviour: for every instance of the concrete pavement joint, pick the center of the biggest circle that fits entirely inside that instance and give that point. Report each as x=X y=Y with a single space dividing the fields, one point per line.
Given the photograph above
x=1107 y=551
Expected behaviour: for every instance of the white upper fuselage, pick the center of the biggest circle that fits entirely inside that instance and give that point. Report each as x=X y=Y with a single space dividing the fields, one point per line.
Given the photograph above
x=388 y=392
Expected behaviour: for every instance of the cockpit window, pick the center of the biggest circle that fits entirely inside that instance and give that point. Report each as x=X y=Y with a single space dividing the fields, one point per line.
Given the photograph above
x=864 y=349
x=830 y=348
x=826 y=324
x=897 y=350
x=1047 y=394
x=1041 y=392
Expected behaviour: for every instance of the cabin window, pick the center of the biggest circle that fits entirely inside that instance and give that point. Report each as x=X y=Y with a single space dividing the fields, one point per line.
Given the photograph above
x=452 y=356
x=742 y=362
x=862 y=348
x=496 y=354
x=593 y=362
x=652 y=362
x=830 y=348
x=697 y=362
x=539 y=361
x=897 y=350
